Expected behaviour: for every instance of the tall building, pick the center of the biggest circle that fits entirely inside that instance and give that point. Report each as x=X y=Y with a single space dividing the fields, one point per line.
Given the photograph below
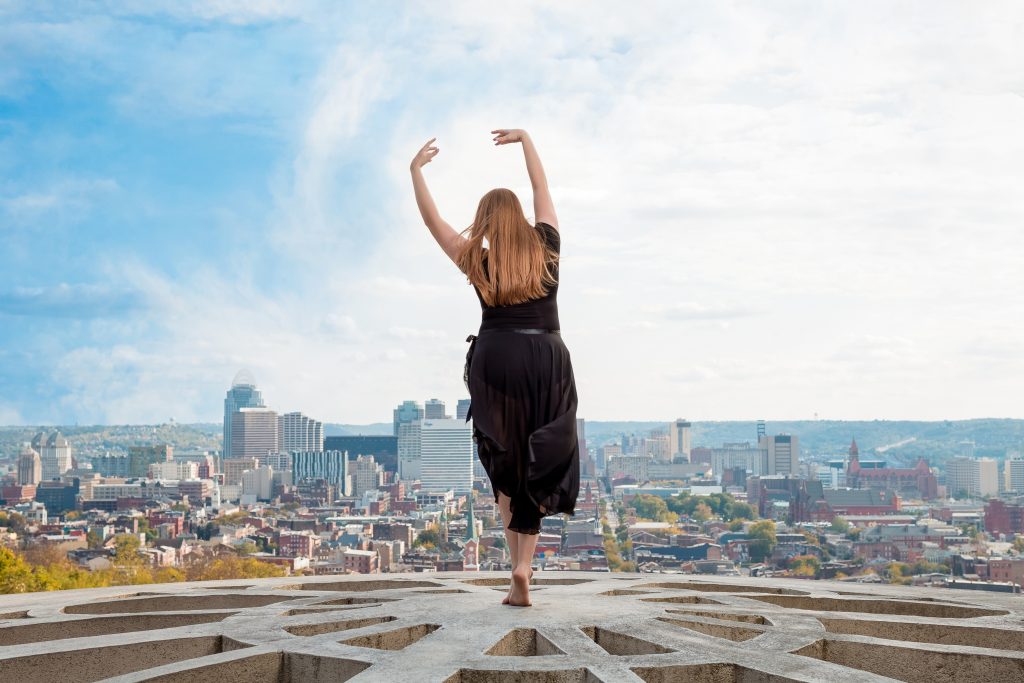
x=409 y=456
x=736 y=455
x=257 y=484
x=409 y=411
x=462 y=409
x=433 y=409
x=234 y=467
x=367 y=475
x=780 y=454
x=974 y=476
x=446 y=455
x=1013 y=475
x=383 y=447
x=30 y=467
x=254 y=433
x=141 y=457
x=331 y=466
x=54 y=454
x=760 y=430
x=586 y=462
x=679 y=439
x=300 y=433
x=242 y=394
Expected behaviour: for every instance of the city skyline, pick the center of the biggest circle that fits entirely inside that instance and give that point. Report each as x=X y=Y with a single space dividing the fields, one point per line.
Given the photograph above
x=766 y=214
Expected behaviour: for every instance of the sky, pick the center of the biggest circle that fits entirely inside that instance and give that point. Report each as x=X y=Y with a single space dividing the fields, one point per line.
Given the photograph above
x=780 y=210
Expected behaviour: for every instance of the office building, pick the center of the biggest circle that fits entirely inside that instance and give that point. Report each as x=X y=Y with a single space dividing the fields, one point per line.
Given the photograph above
x=462 y=409
x=30 y=467
x=141 y=457
x=383 y=448
x=242 y=394
x=780 y=455
x=234 y=467
x=975 y=477
x=367 y=475
x=679 y=440
x=433 y=409
x=330 y=466
x=254 y=433
x=300 y=433
x=730 y=456
x=409 y=459
x=409 y=411
x=54 y=454
x=1013 y=475
x=257 y=483
x=446 y=455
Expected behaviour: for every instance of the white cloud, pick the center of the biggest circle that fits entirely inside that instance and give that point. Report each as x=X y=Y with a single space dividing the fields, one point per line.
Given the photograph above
x=766 y=211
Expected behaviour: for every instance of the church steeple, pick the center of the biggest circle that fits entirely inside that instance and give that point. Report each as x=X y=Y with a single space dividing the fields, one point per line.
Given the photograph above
x=853 y=448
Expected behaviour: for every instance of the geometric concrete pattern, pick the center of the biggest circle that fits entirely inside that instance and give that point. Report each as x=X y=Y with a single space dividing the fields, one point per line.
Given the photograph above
x=450 y=627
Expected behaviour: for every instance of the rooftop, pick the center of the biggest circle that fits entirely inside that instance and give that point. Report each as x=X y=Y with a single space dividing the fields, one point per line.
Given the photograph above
x=450 y=627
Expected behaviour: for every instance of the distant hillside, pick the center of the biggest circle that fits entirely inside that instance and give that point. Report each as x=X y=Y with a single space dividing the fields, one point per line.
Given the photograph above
x=936 y=441
x=900 y=442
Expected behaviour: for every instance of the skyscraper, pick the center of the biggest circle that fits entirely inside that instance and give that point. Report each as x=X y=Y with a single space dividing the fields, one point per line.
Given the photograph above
x=409 y=411
x=780 y=454
x=30 y=467
x=446 y=455
x=300 y=433
x=331 y=466
x=367 y=475
x=679 y=439
x=242 y=394
x=462 y=409
x=433 y=409
x=254 y=433
x=409 y=457
x=54 y=454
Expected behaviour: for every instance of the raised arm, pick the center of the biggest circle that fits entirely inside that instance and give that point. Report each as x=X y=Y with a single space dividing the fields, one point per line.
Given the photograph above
x=543 y=206
x=449 y=240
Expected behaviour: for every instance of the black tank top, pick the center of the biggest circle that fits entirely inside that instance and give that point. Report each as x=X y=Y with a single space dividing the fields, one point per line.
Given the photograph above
x=542 y=312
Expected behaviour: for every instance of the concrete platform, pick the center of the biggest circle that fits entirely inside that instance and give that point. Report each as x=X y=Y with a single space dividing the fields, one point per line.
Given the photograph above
x=450 y=627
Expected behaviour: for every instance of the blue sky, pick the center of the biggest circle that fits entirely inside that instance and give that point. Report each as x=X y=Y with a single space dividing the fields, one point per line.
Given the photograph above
x=766 y=212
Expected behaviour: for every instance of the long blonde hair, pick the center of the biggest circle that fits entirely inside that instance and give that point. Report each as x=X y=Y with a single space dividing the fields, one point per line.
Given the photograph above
x=518 y=260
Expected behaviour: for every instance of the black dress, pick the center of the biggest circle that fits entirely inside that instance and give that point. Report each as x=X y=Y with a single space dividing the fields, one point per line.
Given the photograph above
x=523 y=406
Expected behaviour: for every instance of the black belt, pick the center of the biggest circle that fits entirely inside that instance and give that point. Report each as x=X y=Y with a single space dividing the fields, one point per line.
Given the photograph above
x=472 y=340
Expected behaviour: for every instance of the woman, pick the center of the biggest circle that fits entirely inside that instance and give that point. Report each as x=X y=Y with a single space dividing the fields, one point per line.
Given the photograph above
x=518 y=370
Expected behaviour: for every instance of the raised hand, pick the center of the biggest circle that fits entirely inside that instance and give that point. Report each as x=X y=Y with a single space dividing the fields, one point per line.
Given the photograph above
x=504 y=136
x=425 y=155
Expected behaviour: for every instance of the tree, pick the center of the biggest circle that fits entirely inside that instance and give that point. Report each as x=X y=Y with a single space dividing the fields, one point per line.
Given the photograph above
x=740 y=510
x=18 y=576
x=428 y=538
x=650 y=507
x=805 y=566
x=1018 y=544
x=763 y=540
x=93 y=539
x=840 y=525
x=702 y=512
x=246 y=548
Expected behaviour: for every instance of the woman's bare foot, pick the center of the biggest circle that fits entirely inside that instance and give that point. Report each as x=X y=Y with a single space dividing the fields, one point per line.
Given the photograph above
x=509 y=595
x=520 y=593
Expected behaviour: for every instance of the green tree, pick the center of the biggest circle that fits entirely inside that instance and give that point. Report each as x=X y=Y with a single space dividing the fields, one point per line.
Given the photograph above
x=763 y=540
x=650 y=507
x=839 y=525
x=702 y=512
x=1018 y=544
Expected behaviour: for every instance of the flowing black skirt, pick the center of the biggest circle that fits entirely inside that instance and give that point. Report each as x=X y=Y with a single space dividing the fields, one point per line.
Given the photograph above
x=523 y=405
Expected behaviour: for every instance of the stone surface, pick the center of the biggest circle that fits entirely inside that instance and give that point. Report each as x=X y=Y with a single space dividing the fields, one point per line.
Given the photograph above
x=451 y=628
